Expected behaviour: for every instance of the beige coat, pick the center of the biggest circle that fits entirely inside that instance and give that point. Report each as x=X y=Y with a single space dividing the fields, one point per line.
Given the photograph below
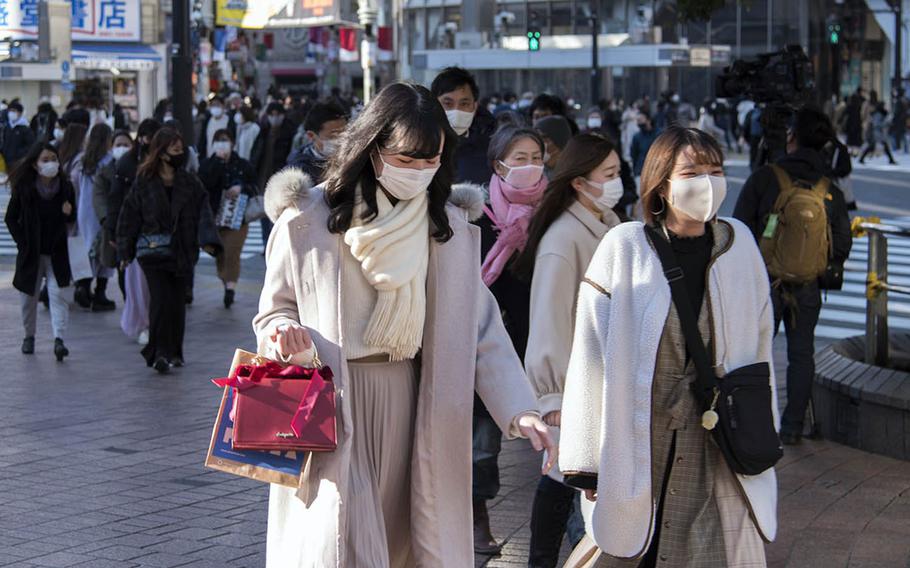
x=561 y=261
x=465 y=348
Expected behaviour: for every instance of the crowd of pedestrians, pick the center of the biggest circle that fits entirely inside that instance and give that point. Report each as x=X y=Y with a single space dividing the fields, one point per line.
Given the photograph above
x=485 y=267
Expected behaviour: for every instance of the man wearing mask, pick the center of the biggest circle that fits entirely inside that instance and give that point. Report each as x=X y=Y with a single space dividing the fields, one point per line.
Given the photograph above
x=555 y=131
x=457 y=92
x=642 y=142
x=323 y=126
x=17 y=136
x=277 y=138
x=796 y=297
x=218 y=119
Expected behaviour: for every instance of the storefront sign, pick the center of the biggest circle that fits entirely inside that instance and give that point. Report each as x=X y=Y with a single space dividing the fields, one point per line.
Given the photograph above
x=92 y=20
x=260 y=14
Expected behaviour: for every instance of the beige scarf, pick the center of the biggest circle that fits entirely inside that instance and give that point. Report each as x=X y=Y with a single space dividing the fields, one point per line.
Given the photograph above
x=393 y=251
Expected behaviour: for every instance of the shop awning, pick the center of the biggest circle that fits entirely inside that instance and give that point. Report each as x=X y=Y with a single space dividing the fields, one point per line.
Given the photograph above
x=130 y=56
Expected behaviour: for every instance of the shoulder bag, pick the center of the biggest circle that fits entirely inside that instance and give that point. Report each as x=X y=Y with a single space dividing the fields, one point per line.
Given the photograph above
x=737 y=407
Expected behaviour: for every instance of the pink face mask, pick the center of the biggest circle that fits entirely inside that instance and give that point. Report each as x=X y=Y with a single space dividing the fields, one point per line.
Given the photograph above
x=521 y=177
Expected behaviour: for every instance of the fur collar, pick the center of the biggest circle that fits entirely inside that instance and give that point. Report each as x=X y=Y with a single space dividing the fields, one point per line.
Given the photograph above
x=291 y=185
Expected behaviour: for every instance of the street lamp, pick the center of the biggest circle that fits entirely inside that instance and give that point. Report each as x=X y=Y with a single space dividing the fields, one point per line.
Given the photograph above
x=367 y=12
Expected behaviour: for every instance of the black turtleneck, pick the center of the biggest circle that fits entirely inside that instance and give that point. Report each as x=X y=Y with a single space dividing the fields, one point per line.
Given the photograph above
x=693 y=255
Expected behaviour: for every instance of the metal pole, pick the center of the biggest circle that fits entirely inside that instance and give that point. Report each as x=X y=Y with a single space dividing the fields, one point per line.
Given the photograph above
x=877 y=303
x=367 y=13
x=595 y=71
x=898 y=42
x=182 y=68
x=739 y=29
x=770 y=24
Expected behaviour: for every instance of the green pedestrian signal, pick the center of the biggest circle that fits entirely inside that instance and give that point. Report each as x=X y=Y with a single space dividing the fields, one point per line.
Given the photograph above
x=533 y=40
x=834 y=34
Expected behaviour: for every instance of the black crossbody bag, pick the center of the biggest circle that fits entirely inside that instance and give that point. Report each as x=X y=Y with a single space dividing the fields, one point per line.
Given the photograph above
x=737 y=407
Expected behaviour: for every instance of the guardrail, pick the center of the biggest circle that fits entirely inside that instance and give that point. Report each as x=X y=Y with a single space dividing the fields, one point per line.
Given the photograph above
x=877 y=286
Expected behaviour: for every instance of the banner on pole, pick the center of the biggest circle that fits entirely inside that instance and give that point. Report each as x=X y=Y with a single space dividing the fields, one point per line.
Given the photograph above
x=261 y=14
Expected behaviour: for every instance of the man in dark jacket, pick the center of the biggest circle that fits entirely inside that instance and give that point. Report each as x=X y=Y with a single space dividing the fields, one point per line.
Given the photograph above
x=17 y=136
x=642 y=141
x=458 y=94
x=324 y=124
x=798 y=305
x=277 y=132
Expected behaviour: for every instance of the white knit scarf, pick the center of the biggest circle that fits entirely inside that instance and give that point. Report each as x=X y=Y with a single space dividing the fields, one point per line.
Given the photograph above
x=393 y=251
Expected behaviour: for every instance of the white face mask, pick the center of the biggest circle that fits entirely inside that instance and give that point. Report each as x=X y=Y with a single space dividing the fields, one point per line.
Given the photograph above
x=276 y=120
x=611 y=193
x=595 y=122
x=118 y=151
x=221 y=148
x=329 y=147
x=460 y=120
x=405 y=183
x=522 y=177
x=239 y=120
x=58 y=134
x=195 y=112
x=13 y=116
x=48 y=169
x=217 y=112
x=698 y=198
x=168 y=117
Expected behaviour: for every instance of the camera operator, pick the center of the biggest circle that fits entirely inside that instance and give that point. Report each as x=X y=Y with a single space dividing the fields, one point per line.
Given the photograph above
x=797 y=254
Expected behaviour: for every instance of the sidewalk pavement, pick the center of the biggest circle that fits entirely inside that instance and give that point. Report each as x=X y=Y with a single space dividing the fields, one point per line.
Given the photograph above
x=101 y=461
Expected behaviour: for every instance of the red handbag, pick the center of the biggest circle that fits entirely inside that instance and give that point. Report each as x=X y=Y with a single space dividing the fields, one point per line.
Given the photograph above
x=282 y=408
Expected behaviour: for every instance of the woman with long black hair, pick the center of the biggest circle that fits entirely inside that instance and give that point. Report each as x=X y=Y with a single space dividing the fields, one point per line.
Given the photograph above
x=164 y=221
x=382 y=276
x=574 y=215
x=41 y=206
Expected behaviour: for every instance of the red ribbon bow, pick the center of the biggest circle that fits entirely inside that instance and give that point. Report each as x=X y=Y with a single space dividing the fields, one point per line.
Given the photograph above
x=249 y=376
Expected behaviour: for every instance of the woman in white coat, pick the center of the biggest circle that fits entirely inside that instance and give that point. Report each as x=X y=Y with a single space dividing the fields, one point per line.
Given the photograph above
x=631 y=426
x=574 y=215
x=378 y=272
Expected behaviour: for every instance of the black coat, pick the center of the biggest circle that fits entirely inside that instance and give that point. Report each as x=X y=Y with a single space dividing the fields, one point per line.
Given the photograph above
x=124 y=176
x=17 y=141
x=283 y=144
x=471 y=153
x=756 y=200
x=187 y=217
x=25 y=226
x=218 y=176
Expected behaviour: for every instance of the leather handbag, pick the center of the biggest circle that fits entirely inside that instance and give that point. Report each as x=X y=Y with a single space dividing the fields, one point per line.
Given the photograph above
x=155 y=245
x=282 y=408
x=737 y=407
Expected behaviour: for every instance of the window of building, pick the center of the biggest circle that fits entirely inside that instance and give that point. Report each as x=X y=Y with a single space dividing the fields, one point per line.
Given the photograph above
x=583 y=10
x=417 y=26
x=539 y=15
x=561 y=18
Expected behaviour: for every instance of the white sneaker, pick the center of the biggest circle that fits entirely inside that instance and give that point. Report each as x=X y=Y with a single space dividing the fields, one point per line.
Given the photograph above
x=143 y=338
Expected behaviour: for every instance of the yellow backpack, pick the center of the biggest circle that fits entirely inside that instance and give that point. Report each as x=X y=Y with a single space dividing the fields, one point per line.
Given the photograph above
x=796 y=243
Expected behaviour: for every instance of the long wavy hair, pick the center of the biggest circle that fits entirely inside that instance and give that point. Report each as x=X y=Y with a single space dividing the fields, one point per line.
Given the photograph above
x=402 y=119
x=72 y=143
x=162 y=140
x=581 y=156
x=99 y=142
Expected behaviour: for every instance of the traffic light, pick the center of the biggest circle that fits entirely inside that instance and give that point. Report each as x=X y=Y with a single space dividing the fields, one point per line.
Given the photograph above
x=533 y=39
x=834 y=31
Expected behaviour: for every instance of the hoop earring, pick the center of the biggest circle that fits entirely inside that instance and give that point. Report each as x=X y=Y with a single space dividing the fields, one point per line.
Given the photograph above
x=663 y=206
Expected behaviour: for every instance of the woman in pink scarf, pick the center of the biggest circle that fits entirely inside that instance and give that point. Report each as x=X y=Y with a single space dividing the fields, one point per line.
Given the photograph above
x=516 y=156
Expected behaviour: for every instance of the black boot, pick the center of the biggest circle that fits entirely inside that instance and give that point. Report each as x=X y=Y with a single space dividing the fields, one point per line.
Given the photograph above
x=228 y=298
x=28 y=345
x=100 y=301
x=82 y=296
x=162 y=366
x=484 y=543
x=60 y=350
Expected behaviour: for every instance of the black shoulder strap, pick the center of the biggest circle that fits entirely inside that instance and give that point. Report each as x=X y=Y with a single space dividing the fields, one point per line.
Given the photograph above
x=706 y=378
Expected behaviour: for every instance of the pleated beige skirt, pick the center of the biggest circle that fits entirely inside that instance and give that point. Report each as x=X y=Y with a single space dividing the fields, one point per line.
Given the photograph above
x=383 y=404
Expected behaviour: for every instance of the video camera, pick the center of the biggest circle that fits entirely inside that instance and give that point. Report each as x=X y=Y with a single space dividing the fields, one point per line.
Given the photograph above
x=783 y=77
